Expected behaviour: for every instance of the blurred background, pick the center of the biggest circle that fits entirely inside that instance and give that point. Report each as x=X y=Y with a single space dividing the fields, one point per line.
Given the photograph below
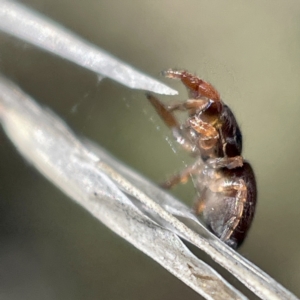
x=50 y=248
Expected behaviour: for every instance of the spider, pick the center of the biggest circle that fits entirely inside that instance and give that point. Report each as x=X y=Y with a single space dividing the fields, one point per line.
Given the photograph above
x=224 y=181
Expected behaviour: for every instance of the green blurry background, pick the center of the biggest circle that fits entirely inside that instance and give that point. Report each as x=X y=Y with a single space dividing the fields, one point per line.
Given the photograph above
x=50 y=248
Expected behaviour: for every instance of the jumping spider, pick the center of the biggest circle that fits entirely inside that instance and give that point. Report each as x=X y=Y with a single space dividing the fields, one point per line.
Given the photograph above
x=225 y=182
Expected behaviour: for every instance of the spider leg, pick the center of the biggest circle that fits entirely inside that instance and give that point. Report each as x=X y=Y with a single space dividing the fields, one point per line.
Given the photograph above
x=182 y=177
x=192 y=105
x=209 y=136
x=195 y=84
x=208 y=133
x=207 y=130
x=200 y=205
x=163 y=112
x=179 y=132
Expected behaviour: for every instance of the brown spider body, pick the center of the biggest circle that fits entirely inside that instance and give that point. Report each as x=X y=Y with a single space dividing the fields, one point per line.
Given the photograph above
x=224 y=181
x=220 y=193
x=227 y=137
